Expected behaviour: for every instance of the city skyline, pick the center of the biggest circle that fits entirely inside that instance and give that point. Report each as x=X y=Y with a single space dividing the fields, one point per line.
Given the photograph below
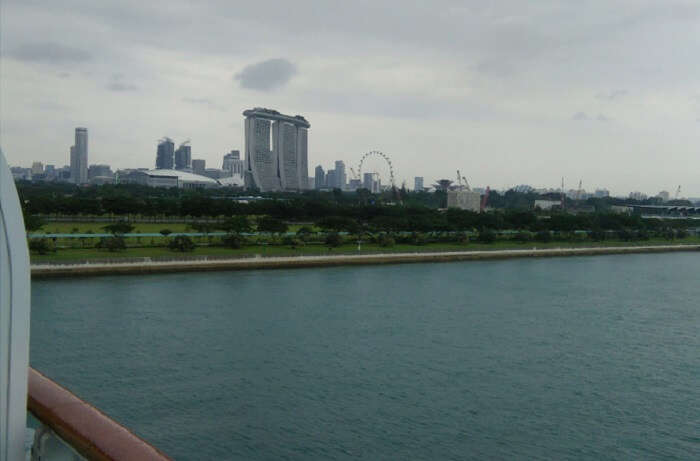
x=508 y=94
x=167 y=157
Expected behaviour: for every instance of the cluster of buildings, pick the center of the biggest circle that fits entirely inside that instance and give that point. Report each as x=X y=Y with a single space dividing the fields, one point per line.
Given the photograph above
x=276 y=159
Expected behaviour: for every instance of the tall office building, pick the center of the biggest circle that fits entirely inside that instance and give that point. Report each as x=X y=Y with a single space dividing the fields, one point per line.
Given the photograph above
x=370 y=181
x=340 y=175
x=183 y=156
x=276 y=150
x=199 y=166
x=37 y=168
x=79 y=157
x=165 y=154
x=319 y=178
x=418 y=183
x=233 y=165
x=331 y=179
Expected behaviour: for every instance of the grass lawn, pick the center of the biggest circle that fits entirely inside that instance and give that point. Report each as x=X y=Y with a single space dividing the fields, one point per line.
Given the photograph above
x=142 y=228
x=98 y=227
x=80 y=254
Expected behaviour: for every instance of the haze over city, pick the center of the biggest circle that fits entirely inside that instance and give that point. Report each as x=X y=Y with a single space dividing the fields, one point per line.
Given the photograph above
x=509 y=94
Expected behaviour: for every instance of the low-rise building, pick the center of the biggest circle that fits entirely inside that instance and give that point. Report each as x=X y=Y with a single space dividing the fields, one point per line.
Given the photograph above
x=464 y=200
x=547 y=204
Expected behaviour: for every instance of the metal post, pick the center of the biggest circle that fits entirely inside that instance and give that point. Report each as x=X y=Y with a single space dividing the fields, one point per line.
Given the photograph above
x=14 y=320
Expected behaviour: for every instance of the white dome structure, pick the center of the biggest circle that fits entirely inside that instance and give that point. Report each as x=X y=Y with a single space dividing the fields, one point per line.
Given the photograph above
x=178 y=178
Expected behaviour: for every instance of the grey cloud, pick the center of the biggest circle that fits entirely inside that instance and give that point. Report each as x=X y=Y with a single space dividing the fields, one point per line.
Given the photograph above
x=582 y=116
x=611 y=95
x=118 y=83
x=203 y=102
x=121 y=86
x=266 y=75
x=49 y=52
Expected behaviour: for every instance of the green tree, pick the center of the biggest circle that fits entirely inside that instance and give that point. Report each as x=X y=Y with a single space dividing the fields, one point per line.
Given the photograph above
x=112 y=244
x=386 y=240
x=40 y=246
x=119 y=228
x=181 y=243
x=234 y=241
x=333 y=240
x=202 y=227
x=33 y=223
x=236 y=224
x=543 y=236
x=272 y=225
x=487 y=236
x=165 y=232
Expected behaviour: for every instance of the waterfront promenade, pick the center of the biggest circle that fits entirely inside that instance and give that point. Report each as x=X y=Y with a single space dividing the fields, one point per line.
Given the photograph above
x=148 y=266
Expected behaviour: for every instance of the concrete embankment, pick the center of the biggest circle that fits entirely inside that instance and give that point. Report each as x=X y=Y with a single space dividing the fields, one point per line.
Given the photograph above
x=147 y=267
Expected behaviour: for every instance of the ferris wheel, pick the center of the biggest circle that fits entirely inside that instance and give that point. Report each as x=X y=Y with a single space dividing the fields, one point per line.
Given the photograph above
x=376 y=153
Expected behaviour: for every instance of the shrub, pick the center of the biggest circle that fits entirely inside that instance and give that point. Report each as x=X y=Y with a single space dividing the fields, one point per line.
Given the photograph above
x=624 y=235
x=304 y=233
x=418 y=238
x=40 y=246
x=181 y=243
x=291 y=241
x=234 y=241
x=462 y=237
x=117 y=228
x=487 y=236
x=641 y=234
x=668 y=234
x=333 y=239
x=597 y=235
x=681 y=233
x=543 y=236
x=165 y=232
x=523 y=237
x=116 y=243
x=386 y=240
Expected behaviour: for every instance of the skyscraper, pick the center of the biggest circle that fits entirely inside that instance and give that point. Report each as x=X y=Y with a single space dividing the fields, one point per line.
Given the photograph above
x=276 y=156
x=199 y=166
x=370 y=181
x=331 y=179
x=319 y=178
x=165 y=153
x=183 y=156
x=233 y=165
x=418 y=183
x=340 y=176
x=79 y=157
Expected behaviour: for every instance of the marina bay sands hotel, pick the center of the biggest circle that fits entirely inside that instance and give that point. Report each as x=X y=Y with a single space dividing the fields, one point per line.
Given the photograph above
x=285 y=165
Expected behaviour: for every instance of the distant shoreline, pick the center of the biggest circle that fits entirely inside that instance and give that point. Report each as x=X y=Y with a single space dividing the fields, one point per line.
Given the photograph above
x=284 y=262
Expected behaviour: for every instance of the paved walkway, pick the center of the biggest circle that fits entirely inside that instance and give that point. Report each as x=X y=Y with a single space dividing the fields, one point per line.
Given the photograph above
x=146 y=266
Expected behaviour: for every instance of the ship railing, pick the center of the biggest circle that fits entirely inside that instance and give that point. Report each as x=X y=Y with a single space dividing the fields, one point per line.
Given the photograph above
x=72 y=429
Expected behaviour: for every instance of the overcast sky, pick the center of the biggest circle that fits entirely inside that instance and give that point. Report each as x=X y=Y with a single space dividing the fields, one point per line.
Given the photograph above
x=509 y=92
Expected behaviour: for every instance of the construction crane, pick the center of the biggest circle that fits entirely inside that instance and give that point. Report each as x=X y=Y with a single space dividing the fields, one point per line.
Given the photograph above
x=462 y=181
x=563 y=196
x=678 y=192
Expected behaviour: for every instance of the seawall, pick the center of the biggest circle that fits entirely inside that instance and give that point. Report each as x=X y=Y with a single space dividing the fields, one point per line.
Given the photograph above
x=130 y=268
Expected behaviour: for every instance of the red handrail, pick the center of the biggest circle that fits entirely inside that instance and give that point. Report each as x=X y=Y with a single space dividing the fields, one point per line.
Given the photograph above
x=85 y=428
